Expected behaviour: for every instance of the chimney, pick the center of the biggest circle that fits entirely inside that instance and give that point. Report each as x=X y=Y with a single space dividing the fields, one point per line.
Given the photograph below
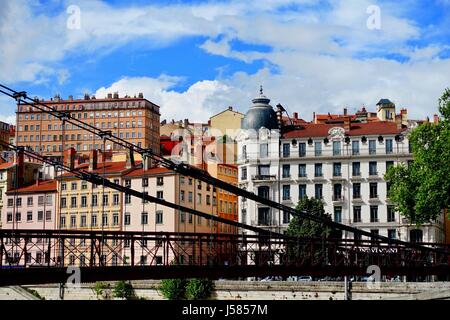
x=116 y=95
x=69 y=158
x=71 y=97
x=230 y=108
x=347 y=123
x=186 y=123
x=86 y=96
x=93 y=159
x=20 y=167
x=314 y=117
x=296 y=115
x=435 y=119
x=130 y=159
x=141 y=95
x=109 y=96
x=345 y=111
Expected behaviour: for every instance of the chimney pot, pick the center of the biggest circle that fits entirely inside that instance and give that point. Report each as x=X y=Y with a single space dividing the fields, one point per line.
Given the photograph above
x=93 y=159
x=345 y=111
x=435 y=119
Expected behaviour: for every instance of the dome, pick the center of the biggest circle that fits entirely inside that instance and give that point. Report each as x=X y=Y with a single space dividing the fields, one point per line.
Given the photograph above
x=260 y=114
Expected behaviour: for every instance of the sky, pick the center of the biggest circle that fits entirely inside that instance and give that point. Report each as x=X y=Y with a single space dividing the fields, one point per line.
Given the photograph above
x=196 y=58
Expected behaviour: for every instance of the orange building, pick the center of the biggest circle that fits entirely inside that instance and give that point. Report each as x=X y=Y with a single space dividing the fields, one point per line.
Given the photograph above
x=133 y=119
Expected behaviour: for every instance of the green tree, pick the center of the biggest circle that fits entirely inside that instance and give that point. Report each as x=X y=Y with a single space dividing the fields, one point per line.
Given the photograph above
x=307 y=228
x=199 y=289
x=173 y=289
x=124 y=290
x=421 y=189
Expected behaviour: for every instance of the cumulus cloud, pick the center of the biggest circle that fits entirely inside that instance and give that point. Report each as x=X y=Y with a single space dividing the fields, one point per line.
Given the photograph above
x=200 y=100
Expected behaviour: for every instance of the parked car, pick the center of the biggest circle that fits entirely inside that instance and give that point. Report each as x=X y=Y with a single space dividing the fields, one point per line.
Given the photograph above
x=305 y=278
x=272 y=278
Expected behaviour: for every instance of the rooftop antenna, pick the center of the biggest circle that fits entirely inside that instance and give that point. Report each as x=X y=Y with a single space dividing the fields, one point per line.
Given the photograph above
x=261 y=90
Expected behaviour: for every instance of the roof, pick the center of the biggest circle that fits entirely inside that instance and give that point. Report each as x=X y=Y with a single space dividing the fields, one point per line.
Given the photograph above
x=6 y=165
x=356 y=129
x=384 y=101
x=152 y=171
x=38 y=186
x=228 y=109
x=110 y=167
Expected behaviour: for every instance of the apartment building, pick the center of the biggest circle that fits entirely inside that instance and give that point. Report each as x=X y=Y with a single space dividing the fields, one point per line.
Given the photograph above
x=134 y=119
x=30 y=207
x=341 y=162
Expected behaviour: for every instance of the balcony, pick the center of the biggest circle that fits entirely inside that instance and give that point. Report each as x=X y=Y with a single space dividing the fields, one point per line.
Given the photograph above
x=264 y=177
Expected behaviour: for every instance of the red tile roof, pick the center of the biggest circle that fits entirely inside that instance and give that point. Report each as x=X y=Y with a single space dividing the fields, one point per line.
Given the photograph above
x=6 y=165
x=356 y=129
x=38 y=186
x=117 y=167
x=149 y=172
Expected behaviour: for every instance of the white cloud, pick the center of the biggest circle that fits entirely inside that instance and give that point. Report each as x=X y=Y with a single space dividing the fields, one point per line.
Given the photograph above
x=200 y=100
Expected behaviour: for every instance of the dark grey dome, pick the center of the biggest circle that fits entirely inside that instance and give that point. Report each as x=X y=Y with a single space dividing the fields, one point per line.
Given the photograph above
x=260 y=114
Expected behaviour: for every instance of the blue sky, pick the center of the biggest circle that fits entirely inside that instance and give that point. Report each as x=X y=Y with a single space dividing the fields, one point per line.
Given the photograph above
x=195 y=58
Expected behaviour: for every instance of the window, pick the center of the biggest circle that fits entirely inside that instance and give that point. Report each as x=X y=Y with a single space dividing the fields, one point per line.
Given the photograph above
x=264 y=150
x=286 y=170
x=159 y=217
x=356 y=214
x=115 y=199
x=337 y=169
x=48 y=215
x=145 y=182
x=105 y=199
x=62 y=222
x=199 y=198
x=373 y=213
x=144 y=218
x=63 y=202
x=392 y=234
x=286 y=217
x=372 y=168
x=338 y=214
x=182 y=195
x=337 y=192
x=301 y=191
x=127 y=198
x=372 y=146
x=94 y=220
x=115 y=219
x=73 y=186
x=390 y=214
x=127 y=183
x=263 y=192
x=302 y=149
x=73 y=202
x=264 y=170
x=264 y=218
x=159 y=181
x=29 y=201
x=373 y=188
x=389 y=146
x=286 y=150
x=104 y=220
x=73 y=221
x=356 y=190
x=355 y=147
x=29 y=215
x=356 y=169
x=83 y=221
x=286 y=192
x=318 y=170
x=318 y=191
x=83 y=185
x=182 y=217
x=40 y=215
x=317 y=149
x=18 y=202
x=389 y=164
x=302 y=170
x=190 y=196
x=336 y=148
x=127 y=219
x=94 y=200
x=40 y=200
x=244 y=152
x=244 y=173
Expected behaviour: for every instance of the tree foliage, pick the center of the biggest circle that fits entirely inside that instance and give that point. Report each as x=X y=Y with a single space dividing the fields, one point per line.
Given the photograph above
x=124 y=290
x=173 y=289
x=307 y=228
x=199 y=289
x=422 y=189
